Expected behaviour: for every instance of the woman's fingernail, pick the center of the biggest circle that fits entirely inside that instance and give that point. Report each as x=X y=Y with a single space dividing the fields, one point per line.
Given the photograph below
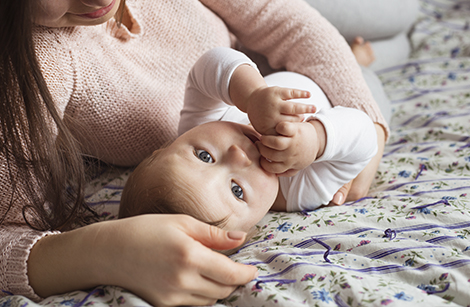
x=236 y=235
x=338 y=198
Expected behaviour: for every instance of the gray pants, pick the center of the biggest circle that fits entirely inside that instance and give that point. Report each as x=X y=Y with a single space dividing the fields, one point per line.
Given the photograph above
x=385 y=23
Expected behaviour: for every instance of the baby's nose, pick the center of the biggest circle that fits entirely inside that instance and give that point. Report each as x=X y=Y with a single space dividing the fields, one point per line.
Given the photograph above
x=238 y=156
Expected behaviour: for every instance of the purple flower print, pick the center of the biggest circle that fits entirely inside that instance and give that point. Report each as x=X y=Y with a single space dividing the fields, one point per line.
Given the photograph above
x=308 y=276
x=345 y=286
x=363 y=242
x=386 y=302
x=257 y=287
x=121 y=300
x=269 y=237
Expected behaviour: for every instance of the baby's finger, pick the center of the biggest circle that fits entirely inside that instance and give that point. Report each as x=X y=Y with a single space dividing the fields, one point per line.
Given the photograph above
x=271 y=154
x=287 y=129
x=289 y=173
x=290 y=93
x=291 y=108
x=273 y=167
x=275 y=142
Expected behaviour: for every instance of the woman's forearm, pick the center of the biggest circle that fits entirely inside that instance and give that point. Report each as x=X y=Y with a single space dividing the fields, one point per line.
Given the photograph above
x=65 y=262
x=158 y=257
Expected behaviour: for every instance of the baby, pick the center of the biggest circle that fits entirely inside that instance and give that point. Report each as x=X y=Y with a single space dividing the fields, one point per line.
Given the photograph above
x=228 y=173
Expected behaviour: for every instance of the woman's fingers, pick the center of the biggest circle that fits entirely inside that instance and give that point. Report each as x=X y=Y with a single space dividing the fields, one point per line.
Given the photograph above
x=211 y=236
x=223 y=272
x=213 y=265
x=340 y=196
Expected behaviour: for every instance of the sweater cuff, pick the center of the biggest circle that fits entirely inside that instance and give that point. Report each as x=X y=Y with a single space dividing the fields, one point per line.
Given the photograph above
x=374 y=113
x=16 y=271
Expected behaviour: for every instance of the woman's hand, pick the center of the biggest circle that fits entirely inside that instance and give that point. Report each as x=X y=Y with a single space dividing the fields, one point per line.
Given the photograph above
x=165 y=259
x=359 y=187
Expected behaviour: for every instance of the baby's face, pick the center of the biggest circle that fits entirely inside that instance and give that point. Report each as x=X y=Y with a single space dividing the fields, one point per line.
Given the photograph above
x=220 y=163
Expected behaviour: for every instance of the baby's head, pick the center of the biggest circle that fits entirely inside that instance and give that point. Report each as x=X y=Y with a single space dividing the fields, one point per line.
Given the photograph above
x=212 y=172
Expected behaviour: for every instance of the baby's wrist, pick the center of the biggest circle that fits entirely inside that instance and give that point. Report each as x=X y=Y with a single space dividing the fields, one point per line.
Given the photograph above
x=319 y=137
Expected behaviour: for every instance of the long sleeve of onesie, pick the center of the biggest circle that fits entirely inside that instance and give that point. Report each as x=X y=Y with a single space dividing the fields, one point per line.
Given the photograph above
x=351 y=137
x=350 y=145
x=207 y=90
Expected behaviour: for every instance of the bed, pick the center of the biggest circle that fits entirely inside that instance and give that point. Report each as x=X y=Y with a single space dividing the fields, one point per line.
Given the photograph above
x=407 y=243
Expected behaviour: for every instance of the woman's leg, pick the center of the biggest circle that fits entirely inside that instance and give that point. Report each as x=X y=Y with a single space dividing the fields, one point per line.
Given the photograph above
x=371 y=19
x=377 y=90
x=384 y=23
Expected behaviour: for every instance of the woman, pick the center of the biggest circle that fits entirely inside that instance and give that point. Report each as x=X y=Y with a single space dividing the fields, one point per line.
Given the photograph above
x=73 y=82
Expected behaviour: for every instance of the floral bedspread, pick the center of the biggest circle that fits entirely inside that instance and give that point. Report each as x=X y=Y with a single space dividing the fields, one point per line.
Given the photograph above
x=408 y=242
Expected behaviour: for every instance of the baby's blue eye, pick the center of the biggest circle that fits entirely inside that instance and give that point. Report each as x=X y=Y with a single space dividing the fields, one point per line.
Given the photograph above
x=204 y=156
x=237 y=190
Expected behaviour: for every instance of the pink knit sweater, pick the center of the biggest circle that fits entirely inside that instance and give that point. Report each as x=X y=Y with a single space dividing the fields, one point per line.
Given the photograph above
x=124 y=87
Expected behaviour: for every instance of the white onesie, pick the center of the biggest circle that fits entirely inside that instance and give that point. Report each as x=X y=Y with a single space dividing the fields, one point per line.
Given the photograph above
x=351 y=138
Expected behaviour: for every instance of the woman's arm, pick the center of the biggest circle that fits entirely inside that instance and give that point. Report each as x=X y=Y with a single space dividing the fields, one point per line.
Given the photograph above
x=166 y=260
x=295 y=37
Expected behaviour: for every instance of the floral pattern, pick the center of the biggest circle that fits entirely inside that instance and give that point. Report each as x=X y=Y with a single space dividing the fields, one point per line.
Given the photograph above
x=407 y=243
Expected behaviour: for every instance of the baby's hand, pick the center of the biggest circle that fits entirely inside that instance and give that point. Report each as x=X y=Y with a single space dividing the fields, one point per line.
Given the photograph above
x=268 y=106
x=295 y=147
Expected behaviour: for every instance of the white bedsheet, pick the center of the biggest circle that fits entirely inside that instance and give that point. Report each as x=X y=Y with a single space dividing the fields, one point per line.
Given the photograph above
x=408 y=242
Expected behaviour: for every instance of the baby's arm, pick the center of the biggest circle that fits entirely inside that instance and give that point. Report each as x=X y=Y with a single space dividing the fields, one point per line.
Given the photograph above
x=351 y=142
x=223 y=78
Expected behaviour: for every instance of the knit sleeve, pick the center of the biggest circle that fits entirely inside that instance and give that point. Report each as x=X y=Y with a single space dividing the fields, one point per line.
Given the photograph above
x=294 y=36
x=16 y=238
x=16 y=242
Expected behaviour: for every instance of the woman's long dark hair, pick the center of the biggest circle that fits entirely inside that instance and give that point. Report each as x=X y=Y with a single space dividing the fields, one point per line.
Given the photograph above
x=45 y=169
